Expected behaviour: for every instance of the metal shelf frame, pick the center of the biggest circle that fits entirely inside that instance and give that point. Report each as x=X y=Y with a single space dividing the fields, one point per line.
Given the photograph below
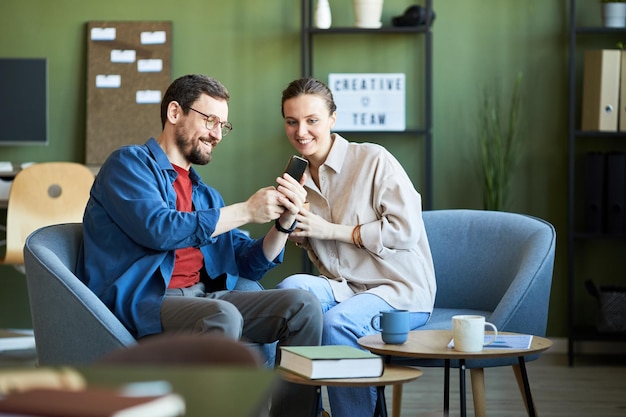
x=576 y=238
x=308 y=33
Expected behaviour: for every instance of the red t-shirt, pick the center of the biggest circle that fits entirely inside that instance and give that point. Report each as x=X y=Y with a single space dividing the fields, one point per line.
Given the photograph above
x=189 y=261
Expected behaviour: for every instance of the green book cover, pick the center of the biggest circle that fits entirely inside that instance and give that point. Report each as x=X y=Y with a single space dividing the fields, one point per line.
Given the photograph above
x=329 y=352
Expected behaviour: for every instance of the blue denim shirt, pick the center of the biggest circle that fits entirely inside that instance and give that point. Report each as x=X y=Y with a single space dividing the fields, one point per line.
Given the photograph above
x=131 y=229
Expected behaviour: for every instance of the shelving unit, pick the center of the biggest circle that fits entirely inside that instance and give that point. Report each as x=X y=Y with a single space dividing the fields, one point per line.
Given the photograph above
x=308 y=33
x=581 y=246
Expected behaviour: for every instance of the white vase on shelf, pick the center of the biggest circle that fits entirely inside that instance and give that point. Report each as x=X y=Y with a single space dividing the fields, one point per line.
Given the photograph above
x=322 y=15
x=367 y=13
x=614 y=15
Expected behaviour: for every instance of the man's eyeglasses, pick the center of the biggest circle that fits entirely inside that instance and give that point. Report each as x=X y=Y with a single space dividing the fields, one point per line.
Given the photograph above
x=212 y=121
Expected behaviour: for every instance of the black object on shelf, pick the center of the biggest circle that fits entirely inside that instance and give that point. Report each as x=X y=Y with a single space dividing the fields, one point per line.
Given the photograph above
x=594 y=192
x=414 y=15
x=614 y=204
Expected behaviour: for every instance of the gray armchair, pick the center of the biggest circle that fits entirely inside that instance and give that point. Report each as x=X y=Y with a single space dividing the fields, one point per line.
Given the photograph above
x=71 y=325
x=495 y=264
x=492 y=263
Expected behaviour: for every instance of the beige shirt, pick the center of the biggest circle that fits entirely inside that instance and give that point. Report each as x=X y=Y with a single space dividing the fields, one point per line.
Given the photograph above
x=362 y=183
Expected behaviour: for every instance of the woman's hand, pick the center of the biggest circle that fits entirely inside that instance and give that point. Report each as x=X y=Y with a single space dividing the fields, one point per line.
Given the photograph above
x=292 y=197
x=314 y=226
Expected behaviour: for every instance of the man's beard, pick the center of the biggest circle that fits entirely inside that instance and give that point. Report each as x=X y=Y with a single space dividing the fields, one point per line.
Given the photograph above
x=192 y=153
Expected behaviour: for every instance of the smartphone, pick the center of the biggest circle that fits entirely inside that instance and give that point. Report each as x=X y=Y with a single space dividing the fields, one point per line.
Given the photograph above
x=296 y=167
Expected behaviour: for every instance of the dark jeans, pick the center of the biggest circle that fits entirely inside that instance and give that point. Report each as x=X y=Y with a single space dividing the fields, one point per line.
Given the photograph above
x=292 y=317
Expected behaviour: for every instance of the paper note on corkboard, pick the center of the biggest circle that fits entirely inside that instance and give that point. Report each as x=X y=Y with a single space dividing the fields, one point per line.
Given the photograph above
x=128 y=71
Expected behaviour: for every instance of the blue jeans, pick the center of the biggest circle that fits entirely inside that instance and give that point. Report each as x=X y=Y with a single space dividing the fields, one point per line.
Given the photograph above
x=344 y=323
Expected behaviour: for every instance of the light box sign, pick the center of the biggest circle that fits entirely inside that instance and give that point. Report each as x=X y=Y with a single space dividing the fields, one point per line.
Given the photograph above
x=369 y=102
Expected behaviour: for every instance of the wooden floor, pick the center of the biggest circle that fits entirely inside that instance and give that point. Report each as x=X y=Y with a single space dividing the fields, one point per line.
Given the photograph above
x=593 y=387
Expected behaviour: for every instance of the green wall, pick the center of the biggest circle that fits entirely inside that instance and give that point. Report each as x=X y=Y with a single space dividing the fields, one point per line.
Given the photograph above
x=253 y=47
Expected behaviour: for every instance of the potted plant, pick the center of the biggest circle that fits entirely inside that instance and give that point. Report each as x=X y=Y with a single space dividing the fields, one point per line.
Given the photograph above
x=499 y=140
x=614 y=13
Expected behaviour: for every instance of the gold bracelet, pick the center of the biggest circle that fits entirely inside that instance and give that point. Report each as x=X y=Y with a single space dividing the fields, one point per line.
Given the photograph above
x=356 y=236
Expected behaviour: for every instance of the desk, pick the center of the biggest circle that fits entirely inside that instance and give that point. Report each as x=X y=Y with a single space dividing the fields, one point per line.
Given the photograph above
x=433 y=344
x=391 y=376
x=208 y=391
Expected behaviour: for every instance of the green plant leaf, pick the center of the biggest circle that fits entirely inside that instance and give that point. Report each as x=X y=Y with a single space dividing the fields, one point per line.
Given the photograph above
x=500 y=143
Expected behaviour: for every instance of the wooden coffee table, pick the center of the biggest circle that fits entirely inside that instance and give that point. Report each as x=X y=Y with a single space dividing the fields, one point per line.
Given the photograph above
x=433 y=344
x=392 y=375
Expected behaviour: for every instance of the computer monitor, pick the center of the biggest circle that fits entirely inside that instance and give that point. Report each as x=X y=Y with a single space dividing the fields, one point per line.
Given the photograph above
x=23 y=101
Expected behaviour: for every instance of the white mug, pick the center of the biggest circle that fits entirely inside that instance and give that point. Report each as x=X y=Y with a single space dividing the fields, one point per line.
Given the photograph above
x=469 y=333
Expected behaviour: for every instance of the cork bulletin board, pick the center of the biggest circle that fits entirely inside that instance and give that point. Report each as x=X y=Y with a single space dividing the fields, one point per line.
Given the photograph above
x=128 y=71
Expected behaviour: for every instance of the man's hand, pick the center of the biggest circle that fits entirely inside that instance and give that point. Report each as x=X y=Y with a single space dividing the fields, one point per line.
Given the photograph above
x=265 y=205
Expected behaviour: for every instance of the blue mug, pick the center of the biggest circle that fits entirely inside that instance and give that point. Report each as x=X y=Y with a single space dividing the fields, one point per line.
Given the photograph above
x=393 y=324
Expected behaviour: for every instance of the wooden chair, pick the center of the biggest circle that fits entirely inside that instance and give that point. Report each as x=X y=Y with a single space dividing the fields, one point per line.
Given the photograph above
x=43 y=194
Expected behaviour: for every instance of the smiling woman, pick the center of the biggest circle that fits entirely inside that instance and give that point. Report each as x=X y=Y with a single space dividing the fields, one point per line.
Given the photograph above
x=364 y=211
